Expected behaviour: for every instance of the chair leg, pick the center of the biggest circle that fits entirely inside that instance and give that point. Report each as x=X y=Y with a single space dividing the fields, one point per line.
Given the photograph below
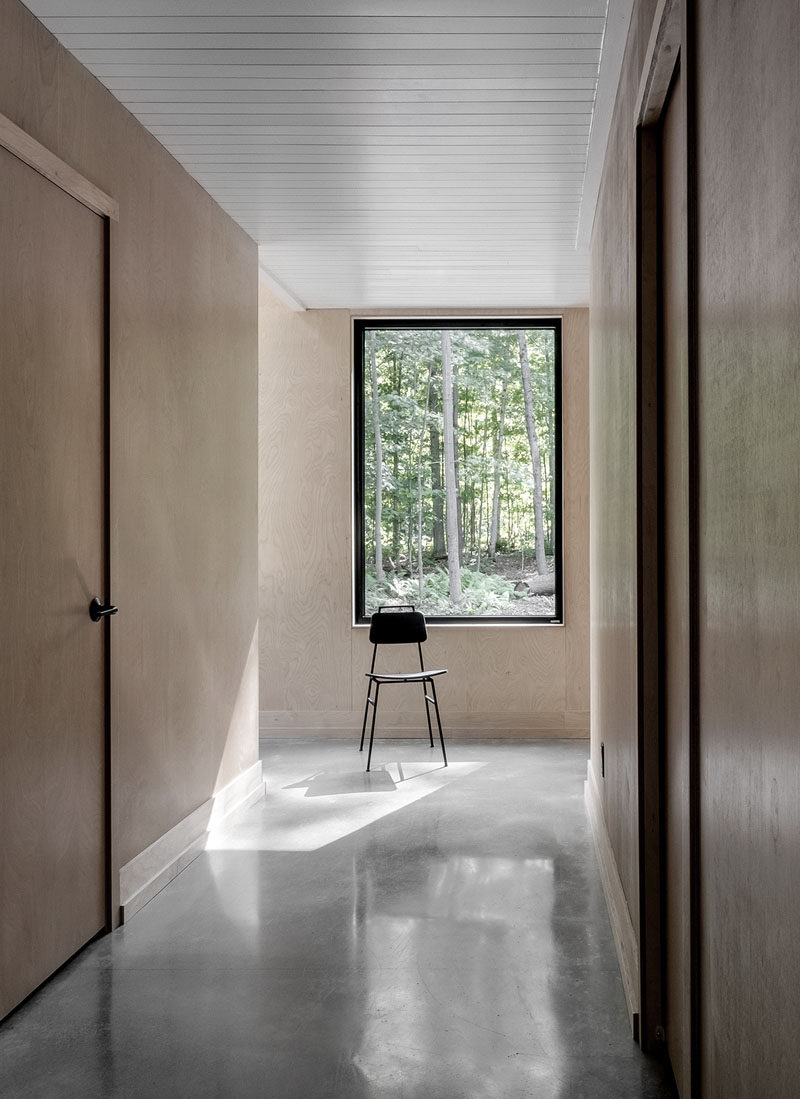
x=366 y=711
x=372 y=729
x=438 y=721
x=427 y=707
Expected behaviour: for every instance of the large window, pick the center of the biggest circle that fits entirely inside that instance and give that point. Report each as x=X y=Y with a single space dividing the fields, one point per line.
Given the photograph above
x=458 y=467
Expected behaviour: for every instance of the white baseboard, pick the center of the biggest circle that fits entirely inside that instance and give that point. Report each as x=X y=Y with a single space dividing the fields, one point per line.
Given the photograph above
x=621 y=925
x=147 y=874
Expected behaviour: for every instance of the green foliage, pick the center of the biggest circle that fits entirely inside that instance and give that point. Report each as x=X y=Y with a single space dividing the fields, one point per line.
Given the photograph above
x=408 y=364
x=483 y=594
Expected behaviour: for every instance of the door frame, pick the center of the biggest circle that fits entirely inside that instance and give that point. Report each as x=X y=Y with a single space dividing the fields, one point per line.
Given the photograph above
x=671 y=40
x=27 y=149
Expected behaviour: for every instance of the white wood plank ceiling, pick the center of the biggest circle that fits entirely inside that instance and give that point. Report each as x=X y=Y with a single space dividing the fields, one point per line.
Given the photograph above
x=383 y=153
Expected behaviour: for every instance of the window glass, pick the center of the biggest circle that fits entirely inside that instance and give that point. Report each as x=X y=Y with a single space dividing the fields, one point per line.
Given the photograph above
x=458 y=468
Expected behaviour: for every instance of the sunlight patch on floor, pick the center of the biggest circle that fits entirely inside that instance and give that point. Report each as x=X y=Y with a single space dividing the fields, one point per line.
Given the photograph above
x=309 y=812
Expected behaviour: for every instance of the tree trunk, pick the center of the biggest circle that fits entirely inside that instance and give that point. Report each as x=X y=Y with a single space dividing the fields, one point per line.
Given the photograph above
x=439 y=551
x=420 y=576
x=482 y=489
x=456 y=467
x=450 y=485
x=536 y=458
x=398 y=379
x=542 y=585
x=376 y=420
x=498 y=457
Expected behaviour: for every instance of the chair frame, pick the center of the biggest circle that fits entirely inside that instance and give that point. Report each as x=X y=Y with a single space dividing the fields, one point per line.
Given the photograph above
x=423 y=676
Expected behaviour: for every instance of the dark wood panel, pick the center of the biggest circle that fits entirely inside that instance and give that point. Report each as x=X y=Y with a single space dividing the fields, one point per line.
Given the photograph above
x=52 y=561
x=676 y=646
x=748 y=192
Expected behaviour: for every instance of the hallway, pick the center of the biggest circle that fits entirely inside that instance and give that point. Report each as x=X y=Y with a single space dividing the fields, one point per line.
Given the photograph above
x=419 y=933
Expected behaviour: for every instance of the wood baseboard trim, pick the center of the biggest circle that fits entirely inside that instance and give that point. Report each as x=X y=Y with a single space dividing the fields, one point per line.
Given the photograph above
x=621 y=923
x=160 y=863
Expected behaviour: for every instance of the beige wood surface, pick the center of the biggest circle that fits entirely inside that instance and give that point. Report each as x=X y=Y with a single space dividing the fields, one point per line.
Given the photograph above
x=676 y=640
x=304 y=508
x=26 y=148
x=52 y=476
x=183 y=397
x=575 y=425
x=613 y=471
x=502 y=680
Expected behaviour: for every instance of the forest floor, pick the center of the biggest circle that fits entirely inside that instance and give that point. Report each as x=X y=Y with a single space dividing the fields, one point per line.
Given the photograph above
x=517 y=568
x=533 y=606
x=505 y=587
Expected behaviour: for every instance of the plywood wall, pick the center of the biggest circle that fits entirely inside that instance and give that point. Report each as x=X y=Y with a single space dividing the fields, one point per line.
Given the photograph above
x=184 y=440
x=503 y=680
x=613 y=473
x=745 y=84
x=748 y=88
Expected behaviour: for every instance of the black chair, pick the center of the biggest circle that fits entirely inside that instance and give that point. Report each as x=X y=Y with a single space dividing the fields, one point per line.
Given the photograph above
x=400 y=625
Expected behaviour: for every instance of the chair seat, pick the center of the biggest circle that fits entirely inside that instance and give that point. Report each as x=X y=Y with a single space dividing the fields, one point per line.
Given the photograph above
x=404 y=677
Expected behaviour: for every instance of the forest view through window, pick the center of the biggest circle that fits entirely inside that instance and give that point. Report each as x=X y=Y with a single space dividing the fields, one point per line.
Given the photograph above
x=457 y=455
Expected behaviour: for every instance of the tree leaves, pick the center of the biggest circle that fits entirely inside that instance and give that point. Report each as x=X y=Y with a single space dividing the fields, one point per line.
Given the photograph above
x=411 y=428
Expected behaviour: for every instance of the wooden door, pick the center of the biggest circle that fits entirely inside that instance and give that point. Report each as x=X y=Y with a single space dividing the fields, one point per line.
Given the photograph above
x=676 y=684
x=52 y=561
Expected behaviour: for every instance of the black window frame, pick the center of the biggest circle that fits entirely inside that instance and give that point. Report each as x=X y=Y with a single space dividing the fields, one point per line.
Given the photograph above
x=362 y=325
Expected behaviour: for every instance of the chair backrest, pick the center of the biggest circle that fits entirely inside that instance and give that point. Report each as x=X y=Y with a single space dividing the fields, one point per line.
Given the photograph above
x=394 y=625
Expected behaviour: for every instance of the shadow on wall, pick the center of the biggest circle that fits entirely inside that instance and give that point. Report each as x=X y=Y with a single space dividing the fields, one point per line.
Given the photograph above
x=228 y=777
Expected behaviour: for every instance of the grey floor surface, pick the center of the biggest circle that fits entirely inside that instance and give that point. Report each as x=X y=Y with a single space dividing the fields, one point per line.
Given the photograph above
x=415 y=933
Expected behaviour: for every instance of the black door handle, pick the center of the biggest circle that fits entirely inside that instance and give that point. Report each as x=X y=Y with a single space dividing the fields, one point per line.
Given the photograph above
x=98 y=611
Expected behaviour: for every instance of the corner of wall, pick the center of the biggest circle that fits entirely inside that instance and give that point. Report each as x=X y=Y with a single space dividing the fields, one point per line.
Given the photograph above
x=149 y=872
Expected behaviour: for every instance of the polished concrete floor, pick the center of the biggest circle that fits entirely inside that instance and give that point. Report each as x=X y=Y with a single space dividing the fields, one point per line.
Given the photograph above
x=415 y=933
